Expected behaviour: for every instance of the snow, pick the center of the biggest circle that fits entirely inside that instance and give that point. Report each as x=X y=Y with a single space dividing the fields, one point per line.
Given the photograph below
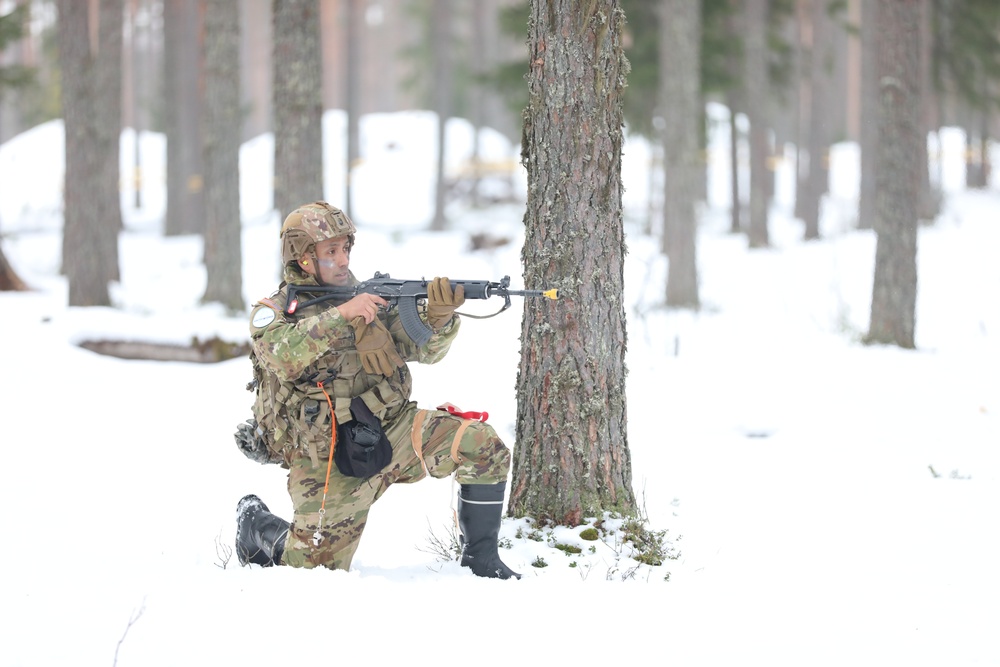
x=826 y=503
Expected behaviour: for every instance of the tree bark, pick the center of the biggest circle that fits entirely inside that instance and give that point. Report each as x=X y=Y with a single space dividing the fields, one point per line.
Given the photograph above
x=256 y=30
x=736 y=100
x=298 y=105
x=736 y=211
x=223 y=245
x=572 y=458
x=819 y=119
x=894 y=291
x=441 y=35
x=680 y=99
x=757 y=96
x=869 y=115
x=352 y=65
x=90 y=62
x=182 y=114
x=930 y=194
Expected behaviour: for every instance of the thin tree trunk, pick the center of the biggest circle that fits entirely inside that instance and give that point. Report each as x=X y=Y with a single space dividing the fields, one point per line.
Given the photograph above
x=894 y=289
x=930 y=195
x=182 y=117
x=735 y=99
x=680 y=97
x=223 y=246
x=572 y=458
x=869 y=115
x=757 y=97
x=442 y=47
x=803 y=38
x=819 y=117
x=352 y=63
x=90 y=61
x=479 y=58
x=298 y=105
x=736 y=212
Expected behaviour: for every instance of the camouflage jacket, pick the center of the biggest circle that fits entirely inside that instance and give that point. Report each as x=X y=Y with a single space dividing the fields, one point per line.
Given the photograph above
x=312 y=354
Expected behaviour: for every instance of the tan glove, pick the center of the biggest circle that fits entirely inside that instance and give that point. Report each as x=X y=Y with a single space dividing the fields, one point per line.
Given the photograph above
x=376 y=347
x=442 y=302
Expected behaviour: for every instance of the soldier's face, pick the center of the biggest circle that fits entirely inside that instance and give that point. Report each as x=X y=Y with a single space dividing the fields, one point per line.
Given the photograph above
x=333 y=257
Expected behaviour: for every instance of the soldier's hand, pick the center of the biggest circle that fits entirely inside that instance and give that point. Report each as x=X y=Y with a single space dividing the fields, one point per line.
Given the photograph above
x=363 y=305
x=376 y=347
x=442 y=302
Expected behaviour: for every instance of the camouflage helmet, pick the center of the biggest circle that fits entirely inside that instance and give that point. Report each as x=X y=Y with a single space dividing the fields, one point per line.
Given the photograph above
x=310 y=224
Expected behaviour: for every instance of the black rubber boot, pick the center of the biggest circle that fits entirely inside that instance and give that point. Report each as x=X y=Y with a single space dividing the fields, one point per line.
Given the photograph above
x=260 y=535
x=479 y=510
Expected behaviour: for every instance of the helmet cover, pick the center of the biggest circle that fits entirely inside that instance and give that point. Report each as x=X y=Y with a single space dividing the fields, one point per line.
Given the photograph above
x=310 y=224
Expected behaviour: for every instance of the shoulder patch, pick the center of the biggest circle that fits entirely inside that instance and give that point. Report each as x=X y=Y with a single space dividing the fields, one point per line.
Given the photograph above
x=262 y=317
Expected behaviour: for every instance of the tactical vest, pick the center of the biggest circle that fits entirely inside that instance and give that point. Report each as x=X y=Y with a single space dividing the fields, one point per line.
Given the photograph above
x=294 y=416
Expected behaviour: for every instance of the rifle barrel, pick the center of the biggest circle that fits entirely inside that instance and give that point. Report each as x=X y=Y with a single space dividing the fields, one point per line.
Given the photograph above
x=549 y=294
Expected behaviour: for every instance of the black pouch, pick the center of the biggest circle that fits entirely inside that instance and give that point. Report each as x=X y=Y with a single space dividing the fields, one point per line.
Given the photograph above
x=362 y=448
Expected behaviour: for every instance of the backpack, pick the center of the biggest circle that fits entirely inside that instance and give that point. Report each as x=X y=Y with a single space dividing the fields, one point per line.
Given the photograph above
x=265 y=437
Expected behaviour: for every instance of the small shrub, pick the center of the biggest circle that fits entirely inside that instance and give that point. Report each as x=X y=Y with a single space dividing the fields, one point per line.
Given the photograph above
x=649 y=544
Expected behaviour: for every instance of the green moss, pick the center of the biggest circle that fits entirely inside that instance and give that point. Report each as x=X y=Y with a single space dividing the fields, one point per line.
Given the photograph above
x=568 y=549
x=589 y=534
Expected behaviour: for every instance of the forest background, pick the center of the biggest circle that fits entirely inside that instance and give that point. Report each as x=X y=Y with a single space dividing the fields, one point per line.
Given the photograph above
x=467 y=60
x=796 y=77
x=827 y=502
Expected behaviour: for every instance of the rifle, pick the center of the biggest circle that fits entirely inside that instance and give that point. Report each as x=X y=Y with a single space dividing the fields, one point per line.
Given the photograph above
x=403 y=294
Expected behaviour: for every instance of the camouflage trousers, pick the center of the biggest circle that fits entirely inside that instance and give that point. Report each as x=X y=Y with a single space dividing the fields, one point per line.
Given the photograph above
x=330 y=540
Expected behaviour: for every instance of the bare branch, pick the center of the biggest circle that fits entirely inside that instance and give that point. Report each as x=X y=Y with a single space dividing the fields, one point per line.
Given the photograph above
x=136 y=615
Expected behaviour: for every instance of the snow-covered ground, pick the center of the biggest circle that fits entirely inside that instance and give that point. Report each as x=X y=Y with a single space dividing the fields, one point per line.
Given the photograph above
x=827 y=503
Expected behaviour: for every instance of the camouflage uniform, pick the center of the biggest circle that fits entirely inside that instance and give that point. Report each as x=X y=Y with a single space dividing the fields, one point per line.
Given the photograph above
x=314 y=353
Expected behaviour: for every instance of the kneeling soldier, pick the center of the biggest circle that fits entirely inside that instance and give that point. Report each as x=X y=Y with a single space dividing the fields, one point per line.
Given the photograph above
x=334 y=401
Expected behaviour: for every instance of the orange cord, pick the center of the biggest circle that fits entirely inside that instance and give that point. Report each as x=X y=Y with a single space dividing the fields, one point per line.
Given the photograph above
x=333 y=445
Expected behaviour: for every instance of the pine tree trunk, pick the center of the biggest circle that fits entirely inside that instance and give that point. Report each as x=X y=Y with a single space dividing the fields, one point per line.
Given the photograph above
x=680 y=98
x=572 y=459
x=735 y=99
x=256 y=29
x=800 y=95
x=182 y=115
x=736 y=212
x=298 y=105
x=91 y=88
x=352 y=55
x=930 y=194
x=757 y=96
x=223 y=246
x=819 y=117
x=441 y=17
x=894 y=290
x=869 y=116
